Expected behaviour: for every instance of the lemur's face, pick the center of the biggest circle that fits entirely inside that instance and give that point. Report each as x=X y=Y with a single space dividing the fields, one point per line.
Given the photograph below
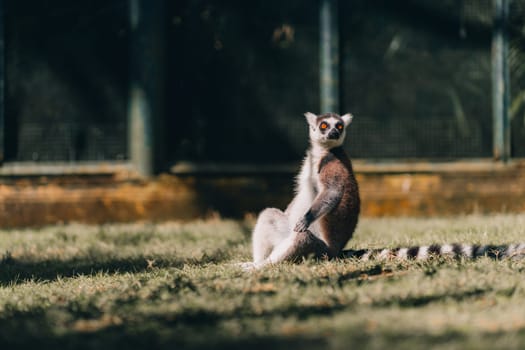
x=328 y=130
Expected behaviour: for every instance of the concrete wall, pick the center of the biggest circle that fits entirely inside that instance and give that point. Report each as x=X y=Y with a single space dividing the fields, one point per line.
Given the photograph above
x=410 y=190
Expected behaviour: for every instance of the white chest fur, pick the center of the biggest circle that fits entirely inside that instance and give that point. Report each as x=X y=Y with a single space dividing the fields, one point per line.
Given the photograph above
x=307 y=188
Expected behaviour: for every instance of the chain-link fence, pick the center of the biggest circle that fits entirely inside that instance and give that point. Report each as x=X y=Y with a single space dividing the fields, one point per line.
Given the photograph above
x=66 y=80
x=239 y=76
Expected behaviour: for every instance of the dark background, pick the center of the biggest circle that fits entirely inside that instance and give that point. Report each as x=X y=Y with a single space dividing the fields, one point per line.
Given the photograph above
x=239 y=76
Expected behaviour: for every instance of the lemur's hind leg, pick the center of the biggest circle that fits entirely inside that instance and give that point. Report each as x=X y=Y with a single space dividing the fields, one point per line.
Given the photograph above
x=292 y=248
x=271 y=229
x=299 y=245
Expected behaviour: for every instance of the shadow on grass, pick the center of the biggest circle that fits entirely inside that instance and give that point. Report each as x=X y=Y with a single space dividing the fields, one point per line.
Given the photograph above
x=411 y=301
x=36 y=330
x=14 y=271
x=33 y=331
x=423 y=300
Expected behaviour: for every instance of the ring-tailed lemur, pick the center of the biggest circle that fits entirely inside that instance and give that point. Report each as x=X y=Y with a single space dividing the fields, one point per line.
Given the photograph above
x=323 y=215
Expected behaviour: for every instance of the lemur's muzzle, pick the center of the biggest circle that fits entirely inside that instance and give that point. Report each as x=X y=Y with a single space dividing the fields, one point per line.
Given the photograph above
x=334 y=134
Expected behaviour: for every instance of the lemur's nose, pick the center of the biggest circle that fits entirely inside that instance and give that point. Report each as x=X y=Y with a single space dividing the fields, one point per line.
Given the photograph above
x=334 y=134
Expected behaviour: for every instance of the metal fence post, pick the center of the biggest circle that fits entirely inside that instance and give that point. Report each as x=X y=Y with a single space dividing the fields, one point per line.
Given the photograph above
x=500 y=82
x=146 y=95
x=329 y=56
x=2 y=81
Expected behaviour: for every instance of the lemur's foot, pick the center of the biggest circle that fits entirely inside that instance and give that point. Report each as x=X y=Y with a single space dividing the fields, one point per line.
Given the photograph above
x=247 y=266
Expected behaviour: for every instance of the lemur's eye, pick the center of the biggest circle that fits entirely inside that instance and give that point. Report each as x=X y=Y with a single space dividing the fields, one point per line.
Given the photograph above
x=323 y=126
x=339 y=126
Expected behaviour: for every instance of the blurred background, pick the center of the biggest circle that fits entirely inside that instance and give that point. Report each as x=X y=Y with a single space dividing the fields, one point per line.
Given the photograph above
x=122 y=109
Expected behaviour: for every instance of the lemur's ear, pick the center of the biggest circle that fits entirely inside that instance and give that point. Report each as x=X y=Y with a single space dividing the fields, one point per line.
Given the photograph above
x=311 y=118
x=347 y=118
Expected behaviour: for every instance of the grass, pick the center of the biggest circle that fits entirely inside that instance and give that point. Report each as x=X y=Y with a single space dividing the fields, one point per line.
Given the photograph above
x=174 y=285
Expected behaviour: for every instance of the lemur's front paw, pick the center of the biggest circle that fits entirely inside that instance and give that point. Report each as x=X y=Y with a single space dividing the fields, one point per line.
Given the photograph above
x=302 y=225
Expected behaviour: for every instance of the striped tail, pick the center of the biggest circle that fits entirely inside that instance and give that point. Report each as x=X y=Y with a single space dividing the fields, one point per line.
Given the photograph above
x=468 y=251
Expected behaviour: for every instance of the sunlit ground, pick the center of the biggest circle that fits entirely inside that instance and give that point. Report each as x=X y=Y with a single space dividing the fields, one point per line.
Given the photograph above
x=176 y=286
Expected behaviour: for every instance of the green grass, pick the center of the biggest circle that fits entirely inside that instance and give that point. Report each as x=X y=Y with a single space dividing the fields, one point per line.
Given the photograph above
x=175 y=286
